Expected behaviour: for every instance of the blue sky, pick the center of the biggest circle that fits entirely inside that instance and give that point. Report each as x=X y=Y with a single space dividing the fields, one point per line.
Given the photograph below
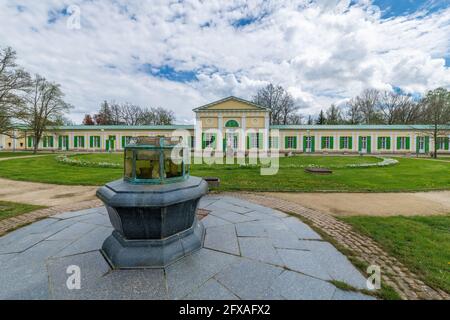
x=394 y=8
x=180 y=54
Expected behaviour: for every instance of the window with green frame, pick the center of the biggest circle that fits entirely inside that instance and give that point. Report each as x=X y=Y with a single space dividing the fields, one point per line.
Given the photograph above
x=327 y=142
x=48 y=141
x=442 y=143
x=290 y=142
x=346 y=142
x=403 y=143
x=94 y=141
x=232 y=124
x=78 y=141
x=125 y=140
x=30 y=142
x=384 y=143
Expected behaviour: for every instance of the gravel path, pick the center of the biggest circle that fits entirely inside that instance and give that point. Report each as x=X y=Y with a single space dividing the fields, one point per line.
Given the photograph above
x=372 y=204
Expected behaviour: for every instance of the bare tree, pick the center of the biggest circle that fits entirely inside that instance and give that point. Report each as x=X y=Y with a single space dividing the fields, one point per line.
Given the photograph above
x=45 y=105
x=116 y=113
x=131 y=114
x=367 y=103
x=163 y=116
x=398 y=108
x=88 y=121
x=14 y=83
x=279 y=101
x=354 y=114
x=436 y=105
x=333 y=115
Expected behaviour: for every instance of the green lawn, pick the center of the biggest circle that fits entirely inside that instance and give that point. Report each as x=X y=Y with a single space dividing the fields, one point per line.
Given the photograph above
x=408 y=175
x=47 y=169
x=421 y=243
x=12 y=209
x=100 y=157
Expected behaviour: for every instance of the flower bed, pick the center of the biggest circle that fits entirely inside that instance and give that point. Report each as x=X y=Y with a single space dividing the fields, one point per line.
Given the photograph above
x=82 y=163
x=384 y=163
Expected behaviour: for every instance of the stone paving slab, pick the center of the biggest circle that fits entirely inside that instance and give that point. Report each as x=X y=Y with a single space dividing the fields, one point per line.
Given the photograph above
x=222 y=238
x=250 y=252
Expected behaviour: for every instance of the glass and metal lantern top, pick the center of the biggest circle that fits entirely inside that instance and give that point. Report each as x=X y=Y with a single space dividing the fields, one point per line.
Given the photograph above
x=155 y=160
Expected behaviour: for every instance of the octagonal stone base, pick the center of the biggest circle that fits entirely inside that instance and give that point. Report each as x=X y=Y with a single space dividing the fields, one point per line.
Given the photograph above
x=156 y=253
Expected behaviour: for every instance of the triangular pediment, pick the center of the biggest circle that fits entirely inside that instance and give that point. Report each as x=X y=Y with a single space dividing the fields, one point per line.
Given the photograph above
x=231 y=103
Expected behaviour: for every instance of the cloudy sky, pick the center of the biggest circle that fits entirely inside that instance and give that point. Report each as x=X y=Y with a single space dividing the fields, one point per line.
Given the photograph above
x=181 y=54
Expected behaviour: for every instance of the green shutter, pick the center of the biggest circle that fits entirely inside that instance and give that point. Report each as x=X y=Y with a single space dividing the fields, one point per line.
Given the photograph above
x=82 y=140
x=417 y=144
x=359 y=144
x=285 y=142
x=322 y=144
x=341 y=142
x=75 y=142
x=123 y=141
x=260 y=140
x=369 y=144
x=408 y=143
x=427 y=144
x=52 y=142
x=203 y=141
x=313 y=144
x=248 y=142
x=446 y=142
x=224 y=144
x=304 y=143
x=379 y=143
x=214 y=144
x=60 y=142
x=350 y=143
x=294 y=141
x=331 y=142
x=91 y=141
x=44 y=141
x=388 y=143
x=399 y=143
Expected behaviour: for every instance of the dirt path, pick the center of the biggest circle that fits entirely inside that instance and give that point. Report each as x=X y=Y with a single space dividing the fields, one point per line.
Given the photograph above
x=23 y=157
x=378 y=204
x=44 y=194
x=339 y=204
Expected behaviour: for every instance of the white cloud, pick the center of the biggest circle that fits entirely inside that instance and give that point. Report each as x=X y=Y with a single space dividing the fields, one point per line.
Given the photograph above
x=322 y=52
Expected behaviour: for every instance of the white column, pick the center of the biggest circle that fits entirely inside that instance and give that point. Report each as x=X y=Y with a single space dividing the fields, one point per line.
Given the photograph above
x=336 y=142
x=243 y=134
x=393 y=143
x=14 y=140
x=374 y=143
x=266 y=132
x=198 y=136
x=71 y=135
x=219 y=142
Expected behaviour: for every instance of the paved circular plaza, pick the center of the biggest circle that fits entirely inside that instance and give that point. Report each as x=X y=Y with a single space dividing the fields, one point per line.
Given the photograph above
x=250 y=252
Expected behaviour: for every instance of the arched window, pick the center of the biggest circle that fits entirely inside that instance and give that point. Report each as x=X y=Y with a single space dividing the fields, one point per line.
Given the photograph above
x=231 y=124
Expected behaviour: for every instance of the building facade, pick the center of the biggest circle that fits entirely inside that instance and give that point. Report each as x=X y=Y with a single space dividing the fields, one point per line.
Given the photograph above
x=237 y=125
